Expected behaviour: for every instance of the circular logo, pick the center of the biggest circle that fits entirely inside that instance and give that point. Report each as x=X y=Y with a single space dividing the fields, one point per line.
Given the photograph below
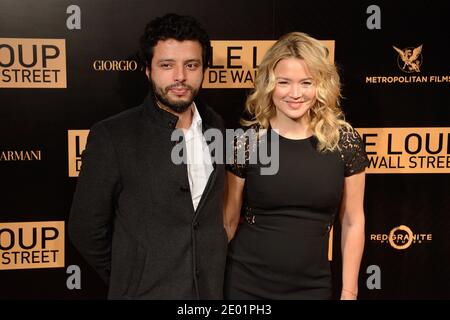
x=400 y=241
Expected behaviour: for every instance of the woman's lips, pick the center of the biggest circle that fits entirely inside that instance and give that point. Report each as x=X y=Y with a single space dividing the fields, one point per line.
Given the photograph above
x=295 y=105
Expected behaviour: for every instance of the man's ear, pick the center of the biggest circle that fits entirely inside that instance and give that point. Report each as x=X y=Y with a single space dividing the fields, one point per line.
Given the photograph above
x=147 y=72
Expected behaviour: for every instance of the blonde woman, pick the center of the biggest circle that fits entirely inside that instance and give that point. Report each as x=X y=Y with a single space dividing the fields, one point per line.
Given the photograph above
x=280 y=249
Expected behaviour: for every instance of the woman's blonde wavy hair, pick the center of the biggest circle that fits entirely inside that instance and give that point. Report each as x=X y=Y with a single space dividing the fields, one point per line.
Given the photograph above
x=326 y=114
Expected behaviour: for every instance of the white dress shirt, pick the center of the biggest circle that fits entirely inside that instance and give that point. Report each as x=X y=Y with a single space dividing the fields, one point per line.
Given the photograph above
x=199 y=164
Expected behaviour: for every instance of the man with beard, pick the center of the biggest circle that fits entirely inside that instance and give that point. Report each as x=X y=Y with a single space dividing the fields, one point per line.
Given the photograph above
x=152 y=228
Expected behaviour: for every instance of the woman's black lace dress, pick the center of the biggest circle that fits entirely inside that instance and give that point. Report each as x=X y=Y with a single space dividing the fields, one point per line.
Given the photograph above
x=280 y=251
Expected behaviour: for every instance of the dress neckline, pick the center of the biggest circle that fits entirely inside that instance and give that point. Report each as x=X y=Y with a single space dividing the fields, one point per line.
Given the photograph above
x=291 y=139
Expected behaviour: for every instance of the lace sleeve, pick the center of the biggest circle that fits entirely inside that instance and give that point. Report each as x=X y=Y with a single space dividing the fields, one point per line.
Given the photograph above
x=352 y=152
x=243 y=150
x=236 y=161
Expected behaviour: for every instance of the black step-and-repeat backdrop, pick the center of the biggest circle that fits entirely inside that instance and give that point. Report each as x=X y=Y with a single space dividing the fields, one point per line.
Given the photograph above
x=65 y=65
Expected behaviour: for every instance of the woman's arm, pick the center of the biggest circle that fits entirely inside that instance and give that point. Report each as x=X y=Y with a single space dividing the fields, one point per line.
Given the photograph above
x=234 y=188
x=352 y=240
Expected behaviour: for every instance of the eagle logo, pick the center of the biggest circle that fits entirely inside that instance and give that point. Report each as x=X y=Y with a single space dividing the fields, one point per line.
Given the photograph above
x=411 y=59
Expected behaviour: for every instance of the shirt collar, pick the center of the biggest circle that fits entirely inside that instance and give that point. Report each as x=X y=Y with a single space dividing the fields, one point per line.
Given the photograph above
x=196 y=126
x=196 y=118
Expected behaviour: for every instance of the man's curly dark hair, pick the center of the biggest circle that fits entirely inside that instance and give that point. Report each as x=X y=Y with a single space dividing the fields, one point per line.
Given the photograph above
x=173 y=26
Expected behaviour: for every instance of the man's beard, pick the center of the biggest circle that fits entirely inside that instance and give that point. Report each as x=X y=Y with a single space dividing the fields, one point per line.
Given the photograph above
x=177 y=106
